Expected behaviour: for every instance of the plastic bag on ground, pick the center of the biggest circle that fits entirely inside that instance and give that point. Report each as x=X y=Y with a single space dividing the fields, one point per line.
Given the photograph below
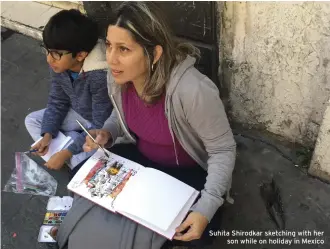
x=30 y=178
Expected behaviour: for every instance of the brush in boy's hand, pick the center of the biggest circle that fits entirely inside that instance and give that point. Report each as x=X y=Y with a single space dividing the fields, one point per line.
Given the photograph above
x=30 y=151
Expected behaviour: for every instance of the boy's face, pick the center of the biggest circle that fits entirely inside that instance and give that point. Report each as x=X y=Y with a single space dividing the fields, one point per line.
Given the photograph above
x=61 y=60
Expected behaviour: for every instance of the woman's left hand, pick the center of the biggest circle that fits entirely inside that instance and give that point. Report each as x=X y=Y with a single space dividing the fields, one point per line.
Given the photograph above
x=196 y=223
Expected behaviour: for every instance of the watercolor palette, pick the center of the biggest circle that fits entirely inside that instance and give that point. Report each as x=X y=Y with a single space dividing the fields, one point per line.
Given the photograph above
x=57 y=209
x=54 y=218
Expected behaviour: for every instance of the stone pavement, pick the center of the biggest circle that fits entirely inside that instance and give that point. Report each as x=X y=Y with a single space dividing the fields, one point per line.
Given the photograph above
x=24 y=89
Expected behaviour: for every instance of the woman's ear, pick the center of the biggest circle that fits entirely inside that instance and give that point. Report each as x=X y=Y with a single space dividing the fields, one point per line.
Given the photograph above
x=158 y=51
x=81 y=56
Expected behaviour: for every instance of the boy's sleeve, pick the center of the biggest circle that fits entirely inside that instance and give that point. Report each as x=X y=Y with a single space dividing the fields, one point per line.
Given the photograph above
x=101 y=107
x=57 y=107
x=101 y=103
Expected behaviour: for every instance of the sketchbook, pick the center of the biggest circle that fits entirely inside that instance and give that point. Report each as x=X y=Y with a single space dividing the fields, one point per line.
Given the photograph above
x=59 y=143
x=147 y=196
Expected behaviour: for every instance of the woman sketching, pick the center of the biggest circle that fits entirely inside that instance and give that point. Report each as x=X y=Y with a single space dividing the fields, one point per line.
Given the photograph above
x=174 y=120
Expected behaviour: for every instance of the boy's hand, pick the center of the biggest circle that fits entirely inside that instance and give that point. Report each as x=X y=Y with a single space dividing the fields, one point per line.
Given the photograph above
x=57 y=161
x=102 y=137
x=43 y=145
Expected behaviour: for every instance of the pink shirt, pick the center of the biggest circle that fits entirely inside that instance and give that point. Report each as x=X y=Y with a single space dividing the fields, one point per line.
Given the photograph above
x=150 y=125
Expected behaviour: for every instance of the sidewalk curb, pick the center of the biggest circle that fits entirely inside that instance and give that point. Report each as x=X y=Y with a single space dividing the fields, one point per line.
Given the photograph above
x=66 y=5
x=22 y=28
x=36 y=32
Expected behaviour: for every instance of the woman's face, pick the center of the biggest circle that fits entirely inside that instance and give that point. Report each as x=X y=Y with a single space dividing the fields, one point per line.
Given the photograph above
x=125 y=57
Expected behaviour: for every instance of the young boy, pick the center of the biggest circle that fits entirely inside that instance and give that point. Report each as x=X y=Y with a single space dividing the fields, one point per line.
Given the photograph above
x=78 y=87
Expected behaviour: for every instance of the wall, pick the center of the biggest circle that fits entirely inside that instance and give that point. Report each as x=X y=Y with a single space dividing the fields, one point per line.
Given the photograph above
x=320 y=165
x=275 y=65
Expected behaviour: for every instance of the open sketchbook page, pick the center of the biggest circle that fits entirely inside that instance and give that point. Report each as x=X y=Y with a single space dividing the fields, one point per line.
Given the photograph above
x=169 y=233
x=56 y=145
x=158 y=198
x=101 y=179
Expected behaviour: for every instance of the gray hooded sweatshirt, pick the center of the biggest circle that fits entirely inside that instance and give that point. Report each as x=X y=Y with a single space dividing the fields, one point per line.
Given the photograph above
x=196 y=117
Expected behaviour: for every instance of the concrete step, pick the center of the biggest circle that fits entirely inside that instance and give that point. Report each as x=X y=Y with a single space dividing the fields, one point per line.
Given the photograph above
x=29 y=18
x=66 y=5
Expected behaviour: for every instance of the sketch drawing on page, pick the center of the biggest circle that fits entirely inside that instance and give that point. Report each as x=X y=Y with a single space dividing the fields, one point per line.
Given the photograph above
x=107 y=178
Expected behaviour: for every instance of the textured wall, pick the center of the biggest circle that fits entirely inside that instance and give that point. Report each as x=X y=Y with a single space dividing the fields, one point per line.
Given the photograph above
x=320 y=165
x=276 y=65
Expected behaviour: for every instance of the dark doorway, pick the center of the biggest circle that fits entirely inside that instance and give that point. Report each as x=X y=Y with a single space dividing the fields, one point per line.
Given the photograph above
x=192 y=21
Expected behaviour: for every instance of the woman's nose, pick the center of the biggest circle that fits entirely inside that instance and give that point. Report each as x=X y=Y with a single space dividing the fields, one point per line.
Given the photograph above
x=112 y=57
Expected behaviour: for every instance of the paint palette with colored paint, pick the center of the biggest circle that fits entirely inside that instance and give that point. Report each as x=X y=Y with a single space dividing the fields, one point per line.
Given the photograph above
x=54 y=218
x=57 y=209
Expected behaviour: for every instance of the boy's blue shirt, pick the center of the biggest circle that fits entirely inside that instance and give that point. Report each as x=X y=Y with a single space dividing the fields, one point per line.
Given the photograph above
x=73 y=75
x=87 y=95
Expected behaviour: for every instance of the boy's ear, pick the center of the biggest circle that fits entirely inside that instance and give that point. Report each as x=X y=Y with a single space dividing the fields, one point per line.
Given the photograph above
x=81 y=56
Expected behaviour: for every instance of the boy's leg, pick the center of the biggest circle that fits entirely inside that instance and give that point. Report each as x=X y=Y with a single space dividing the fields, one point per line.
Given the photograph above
x=70 y=123
x=77 y=159
x=33 y=123
x=71 y=128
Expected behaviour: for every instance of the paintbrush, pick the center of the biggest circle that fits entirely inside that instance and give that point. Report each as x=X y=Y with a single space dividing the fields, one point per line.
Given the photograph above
x=31 y=151
x=82 y=127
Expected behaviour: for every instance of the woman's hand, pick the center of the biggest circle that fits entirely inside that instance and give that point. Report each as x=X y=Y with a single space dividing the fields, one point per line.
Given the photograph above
x=196 y=223
x=102 y=137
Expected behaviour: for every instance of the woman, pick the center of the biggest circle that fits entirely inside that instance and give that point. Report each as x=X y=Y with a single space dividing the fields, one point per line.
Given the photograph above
x=174 y=120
